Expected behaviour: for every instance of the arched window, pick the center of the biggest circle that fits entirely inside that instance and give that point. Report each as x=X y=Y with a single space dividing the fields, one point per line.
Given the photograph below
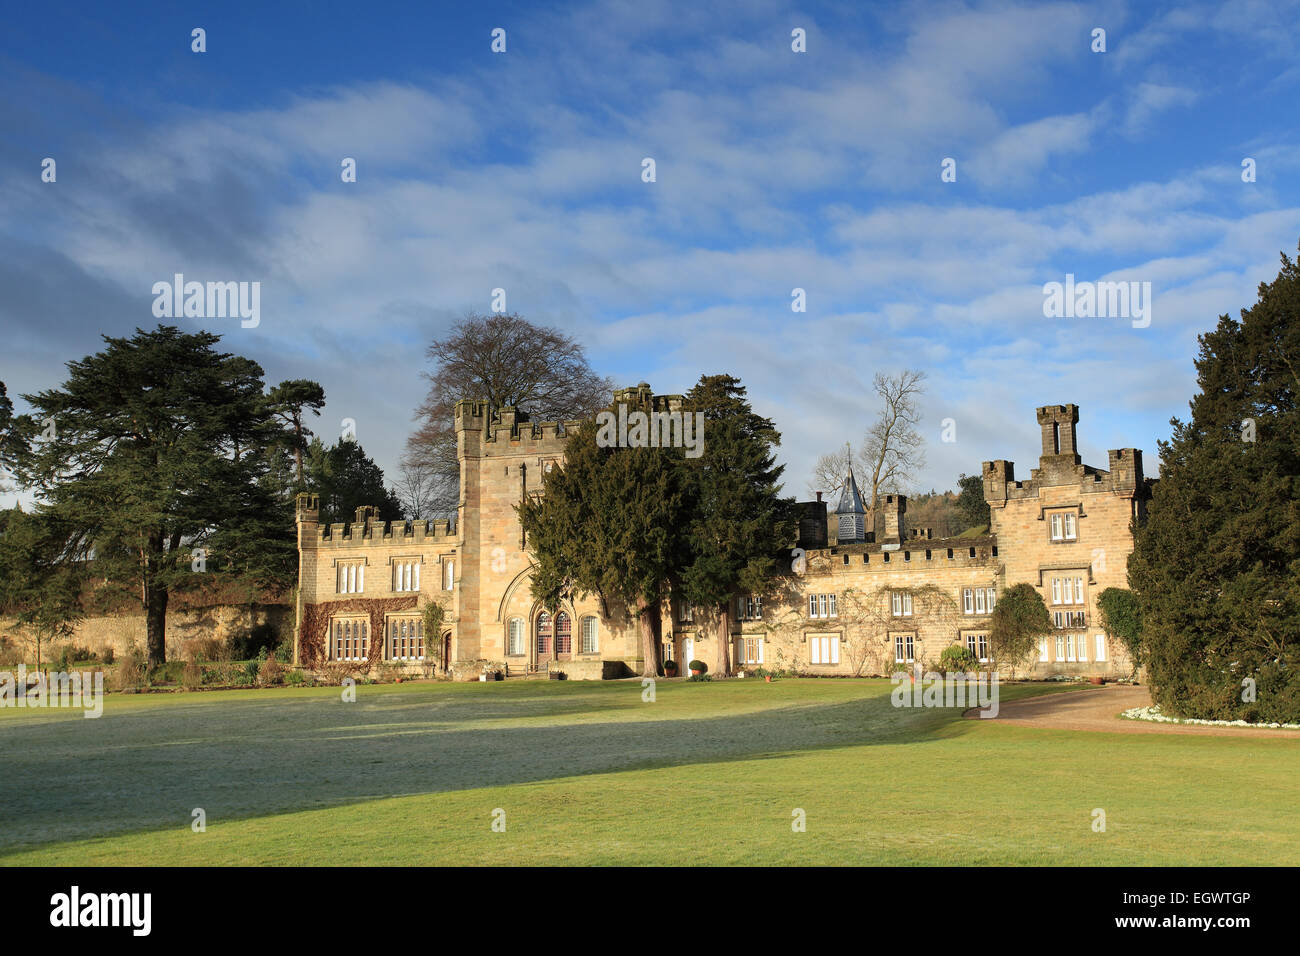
x=590 y=644
x=544 y=633
x=515 y=638
x=563 y=633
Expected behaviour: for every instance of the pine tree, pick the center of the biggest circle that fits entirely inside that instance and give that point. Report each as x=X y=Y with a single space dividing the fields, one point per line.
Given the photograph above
x=290 y=401
x=738 y=522
x=1216 y=565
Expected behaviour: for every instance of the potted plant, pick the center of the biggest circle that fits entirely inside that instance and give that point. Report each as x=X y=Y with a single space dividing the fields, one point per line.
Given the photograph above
x=670 y=668
x=698 y=668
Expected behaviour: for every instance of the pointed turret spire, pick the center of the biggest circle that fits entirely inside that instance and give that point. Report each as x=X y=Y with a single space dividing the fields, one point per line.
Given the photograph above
x=850 y=512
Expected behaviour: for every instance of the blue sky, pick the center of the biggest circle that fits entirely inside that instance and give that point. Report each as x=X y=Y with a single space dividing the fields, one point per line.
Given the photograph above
x=775 y=170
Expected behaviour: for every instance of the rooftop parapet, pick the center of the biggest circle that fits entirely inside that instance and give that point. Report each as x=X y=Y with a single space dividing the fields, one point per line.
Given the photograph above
x=383 y=533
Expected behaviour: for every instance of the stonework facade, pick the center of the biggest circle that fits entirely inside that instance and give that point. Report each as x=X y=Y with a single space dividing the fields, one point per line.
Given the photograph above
x=851 y=605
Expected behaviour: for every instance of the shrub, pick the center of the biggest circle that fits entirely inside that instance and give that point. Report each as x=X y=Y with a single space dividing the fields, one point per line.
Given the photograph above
x=73 y=654
x=284 y=651
x=210 y=649
x=700 y=666
x=167 y=673
x=10 y=656
x=192 y=674
x=335 y=672
x=957 y=659
x=295 y=678
x=699 y=677
x=270 y=672
x=250 y=643
x=130 y=669
x=108 y=656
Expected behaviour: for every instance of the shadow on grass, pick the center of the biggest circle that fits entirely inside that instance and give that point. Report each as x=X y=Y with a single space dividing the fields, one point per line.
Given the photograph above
x=148 y=767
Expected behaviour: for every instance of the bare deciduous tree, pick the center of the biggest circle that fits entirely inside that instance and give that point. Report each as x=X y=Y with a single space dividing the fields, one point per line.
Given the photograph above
x=892 y=450
x=421 y=489
x=501 y=360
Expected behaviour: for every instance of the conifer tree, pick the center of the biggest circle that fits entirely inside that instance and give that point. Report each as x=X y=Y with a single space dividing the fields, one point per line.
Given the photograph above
x=738 y=522
x=290 y=401
x=1216 y=565
x=148 y=458
x=608 y=523
x=346 y=478
x=39 y=585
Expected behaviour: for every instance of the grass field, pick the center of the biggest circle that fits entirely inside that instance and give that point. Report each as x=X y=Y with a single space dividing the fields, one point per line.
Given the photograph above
x=709 y=773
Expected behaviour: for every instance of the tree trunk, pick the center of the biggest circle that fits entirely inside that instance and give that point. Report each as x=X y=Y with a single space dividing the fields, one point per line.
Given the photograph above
x=156 y=625
x=657 y=635
x=646 y=625
x=722 y=656
x=297 y=453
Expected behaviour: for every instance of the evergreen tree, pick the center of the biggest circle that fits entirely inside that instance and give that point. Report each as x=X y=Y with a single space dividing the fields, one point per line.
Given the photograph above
x=1216 y=565
x=737 y=521
x=40 y=585
x=148 y=458
x=290 y=400
x=346 y=478
x=971 y=506
x=1019 y=620
x=8 y=449
x=608 y=523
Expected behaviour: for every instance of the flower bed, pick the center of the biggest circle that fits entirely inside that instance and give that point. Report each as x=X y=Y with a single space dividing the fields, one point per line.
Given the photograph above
x=1153 y=713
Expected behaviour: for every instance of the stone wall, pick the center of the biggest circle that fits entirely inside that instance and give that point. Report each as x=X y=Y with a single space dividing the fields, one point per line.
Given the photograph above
x=184 y=628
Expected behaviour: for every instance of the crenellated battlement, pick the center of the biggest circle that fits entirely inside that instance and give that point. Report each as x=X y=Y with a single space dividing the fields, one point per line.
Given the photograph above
x=1060 y=465
x=915 y=554
x=486 y=431
x=351 y=534
x=643 y=397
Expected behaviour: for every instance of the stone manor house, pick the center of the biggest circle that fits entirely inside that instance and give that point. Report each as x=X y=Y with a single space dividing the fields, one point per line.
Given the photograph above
x=852 y=604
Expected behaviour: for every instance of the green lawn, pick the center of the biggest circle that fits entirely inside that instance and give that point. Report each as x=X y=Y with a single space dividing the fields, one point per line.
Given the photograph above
x=587 y=773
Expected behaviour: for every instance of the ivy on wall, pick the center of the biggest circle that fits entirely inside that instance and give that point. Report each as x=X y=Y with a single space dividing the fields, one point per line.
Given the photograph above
x=316 y=621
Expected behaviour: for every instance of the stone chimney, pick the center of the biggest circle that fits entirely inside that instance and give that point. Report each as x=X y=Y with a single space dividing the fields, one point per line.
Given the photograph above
x=895 y=506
